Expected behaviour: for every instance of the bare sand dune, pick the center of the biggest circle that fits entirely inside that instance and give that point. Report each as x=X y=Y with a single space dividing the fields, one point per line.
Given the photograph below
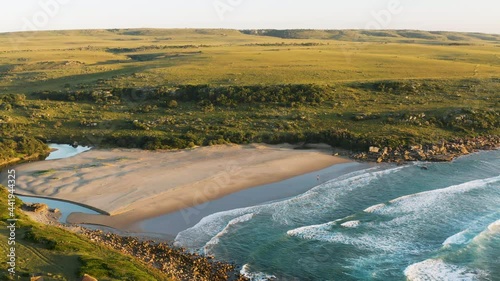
x=133 y=185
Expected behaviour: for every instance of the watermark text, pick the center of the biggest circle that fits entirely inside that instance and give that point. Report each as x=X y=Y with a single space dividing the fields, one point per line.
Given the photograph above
x=11 y=222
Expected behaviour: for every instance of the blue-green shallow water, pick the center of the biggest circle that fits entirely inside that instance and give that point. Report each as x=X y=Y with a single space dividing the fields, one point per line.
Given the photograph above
x=381 y=223
x=65 y=208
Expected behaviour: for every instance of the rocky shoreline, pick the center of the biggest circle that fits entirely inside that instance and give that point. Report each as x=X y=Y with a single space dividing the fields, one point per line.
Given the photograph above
x=176 y=262
x=444 y=151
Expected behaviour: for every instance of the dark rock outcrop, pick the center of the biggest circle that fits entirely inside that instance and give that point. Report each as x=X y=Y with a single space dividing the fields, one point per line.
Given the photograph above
x=36 y=207
x=175 y=262
x=442 y=152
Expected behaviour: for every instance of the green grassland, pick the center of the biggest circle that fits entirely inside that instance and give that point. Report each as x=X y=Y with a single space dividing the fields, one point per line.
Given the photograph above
x=61 y=255
x=36 y=61
x=349 y=88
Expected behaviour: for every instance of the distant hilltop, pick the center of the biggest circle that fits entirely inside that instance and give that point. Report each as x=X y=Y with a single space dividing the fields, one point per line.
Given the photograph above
x=357 y=35
x=374 y=35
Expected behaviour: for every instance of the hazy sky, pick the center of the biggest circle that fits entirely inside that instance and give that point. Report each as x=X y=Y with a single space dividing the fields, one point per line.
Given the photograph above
x=454 y=15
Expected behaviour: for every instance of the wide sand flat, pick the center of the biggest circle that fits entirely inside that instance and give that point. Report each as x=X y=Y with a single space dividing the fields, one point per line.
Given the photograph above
x=132 y=185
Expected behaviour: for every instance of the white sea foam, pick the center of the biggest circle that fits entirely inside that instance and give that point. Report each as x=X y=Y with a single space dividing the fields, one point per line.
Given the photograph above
x=351 y=224
x=215 y=240
x=325 y=233
x=457 y=239
x=400 y=231
x=312 y=232
x=492 y=230
x=198 y=235
x=430 y=200
x=374 y=208
x=284 y=212
x=409 y=213
x=324 y=196
x=438 y=270
x=494 y=227
x=255 y=276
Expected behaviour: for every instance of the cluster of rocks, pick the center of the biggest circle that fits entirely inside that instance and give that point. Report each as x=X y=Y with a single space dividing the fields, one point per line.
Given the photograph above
x=36 y=207
x=442 y=152
x=175 y=262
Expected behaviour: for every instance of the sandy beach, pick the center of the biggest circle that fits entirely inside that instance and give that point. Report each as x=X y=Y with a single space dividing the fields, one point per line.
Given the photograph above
x=134 y=185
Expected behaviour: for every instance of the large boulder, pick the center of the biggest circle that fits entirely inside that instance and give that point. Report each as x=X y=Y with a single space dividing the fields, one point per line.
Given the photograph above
x=36 y=207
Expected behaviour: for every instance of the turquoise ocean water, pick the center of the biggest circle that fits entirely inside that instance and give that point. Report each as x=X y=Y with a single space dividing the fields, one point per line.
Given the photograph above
x=381 y=223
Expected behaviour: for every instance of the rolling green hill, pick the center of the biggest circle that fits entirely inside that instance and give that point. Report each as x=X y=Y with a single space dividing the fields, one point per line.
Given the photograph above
x=58 y=254
x=58 y=60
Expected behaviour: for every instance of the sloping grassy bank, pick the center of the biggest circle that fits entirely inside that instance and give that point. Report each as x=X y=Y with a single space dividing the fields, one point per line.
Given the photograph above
x=57 y=254
x=62 y=255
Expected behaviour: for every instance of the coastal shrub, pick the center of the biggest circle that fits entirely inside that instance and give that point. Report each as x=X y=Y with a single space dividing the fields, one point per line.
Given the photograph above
x=21 y=147
x=206 y=106
x=139 y=125
x=286 y=94
x=233 y=95
x=172 y=104
x=400 y=87
x=467 y=119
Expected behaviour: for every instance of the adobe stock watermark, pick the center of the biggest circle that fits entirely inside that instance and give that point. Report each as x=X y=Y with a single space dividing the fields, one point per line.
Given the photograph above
x=46 y=11
x=11 y=223
x=222 y=7
x=380 y=19
x=383 y=18
x=212 y=189
x=215 y=188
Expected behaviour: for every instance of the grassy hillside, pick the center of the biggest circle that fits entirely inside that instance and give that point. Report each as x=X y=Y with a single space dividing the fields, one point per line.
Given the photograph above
x=60 y=60
x=61 y=255
x=399 y=36
x=154 y=88
x=58 y=254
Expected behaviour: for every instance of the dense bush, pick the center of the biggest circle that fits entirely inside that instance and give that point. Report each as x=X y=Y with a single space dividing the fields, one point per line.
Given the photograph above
x=471 y=120
x=233 y=95
x=226 y=96
x=9 y=101
x=400 y=87
x=19 y=147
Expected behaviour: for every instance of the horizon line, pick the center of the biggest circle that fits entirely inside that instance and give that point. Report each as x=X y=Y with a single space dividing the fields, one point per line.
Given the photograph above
x=241 y=29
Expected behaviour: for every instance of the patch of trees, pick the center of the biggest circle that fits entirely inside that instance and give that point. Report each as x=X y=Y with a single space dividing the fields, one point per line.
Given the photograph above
x=234 y=95
x=471 y=120
x=19 y=147
x=10 y=101
x=335 y=137
x=98 y=96
x=204 y=94
x=400 y=87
